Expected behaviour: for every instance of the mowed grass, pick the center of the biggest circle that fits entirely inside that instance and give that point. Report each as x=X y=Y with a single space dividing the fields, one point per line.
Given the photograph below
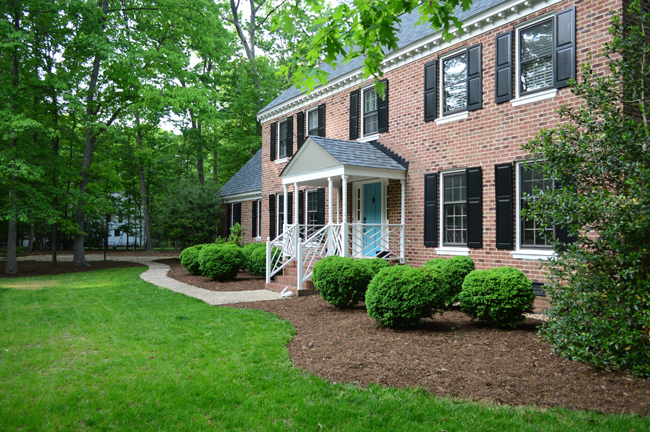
x=105 y=350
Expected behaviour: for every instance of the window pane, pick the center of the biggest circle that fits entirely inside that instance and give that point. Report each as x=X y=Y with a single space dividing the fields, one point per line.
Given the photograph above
x=312 y=123
x=532 y=183
x=536 y=56
x=369 y=101
x=370 y=123
x=455 y=209
x=455 y=83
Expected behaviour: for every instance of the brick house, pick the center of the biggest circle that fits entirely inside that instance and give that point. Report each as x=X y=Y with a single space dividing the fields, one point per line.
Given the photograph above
x=434 y=169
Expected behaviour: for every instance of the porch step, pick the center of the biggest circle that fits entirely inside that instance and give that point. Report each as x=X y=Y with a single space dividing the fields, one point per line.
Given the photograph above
x=279 y=287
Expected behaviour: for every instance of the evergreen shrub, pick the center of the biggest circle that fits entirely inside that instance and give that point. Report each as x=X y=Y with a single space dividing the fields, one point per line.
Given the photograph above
x=221 y=262
x=190 y=259
x=453 y=269
x=248 y=249
x=341 y=281
x=400 y=296
x=498 y=296
x=257 y=260
x=374 y=264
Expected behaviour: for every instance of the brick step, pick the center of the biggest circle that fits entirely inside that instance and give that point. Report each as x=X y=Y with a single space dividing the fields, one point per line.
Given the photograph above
x=291 y=281
x=279 y=287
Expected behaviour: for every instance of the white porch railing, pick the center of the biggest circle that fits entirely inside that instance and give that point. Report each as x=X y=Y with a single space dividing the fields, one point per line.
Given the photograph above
x=306 y=244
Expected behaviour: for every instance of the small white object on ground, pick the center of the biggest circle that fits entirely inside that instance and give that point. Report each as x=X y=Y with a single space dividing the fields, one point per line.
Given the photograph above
x=286 y=293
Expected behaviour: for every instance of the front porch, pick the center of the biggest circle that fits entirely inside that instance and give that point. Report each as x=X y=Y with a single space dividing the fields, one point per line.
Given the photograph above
x=353 y=173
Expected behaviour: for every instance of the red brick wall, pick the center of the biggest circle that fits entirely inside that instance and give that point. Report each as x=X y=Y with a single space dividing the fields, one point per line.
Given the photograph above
x=489 y=136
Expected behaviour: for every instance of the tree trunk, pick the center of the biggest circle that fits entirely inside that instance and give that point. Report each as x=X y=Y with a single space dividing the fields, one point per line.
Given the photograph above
x=55 y=241
x=12 y=261
x=143 y=191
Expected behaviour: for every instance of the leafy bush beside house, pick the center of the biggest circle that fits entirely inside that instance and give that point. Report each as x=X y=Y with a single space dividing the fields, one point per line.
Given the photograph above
x=498 y=296
x=190 y=259
x=401 y=296
x=341 y=281
x=455 y=270
x=374 y=264
x=248 y=250
x=221 y=262
x=257 y=260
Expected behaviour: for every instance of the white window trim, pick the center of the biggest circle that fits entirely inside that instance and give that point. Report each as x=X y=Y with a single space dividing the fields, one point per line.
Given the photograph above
x=258 y=237
x=533 y=96
x=519 y=252
x=278 y=158
x=442 y=118
x=283 y=160
x=307 y=119
x=374 y=135
x=442 y=249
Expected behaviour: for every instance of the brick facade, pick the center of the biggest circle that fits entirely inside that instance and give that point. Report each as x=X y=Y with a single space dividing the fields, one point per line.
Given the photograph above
x=488 y=136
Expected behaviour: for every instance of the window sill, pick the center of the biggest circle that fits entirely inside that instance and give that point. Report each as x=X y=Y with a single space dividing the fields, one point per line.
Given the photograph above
x=452 y=118
x=368 y=138
x=258 y=239
x=533 y=254
x=282 y=160
x=449 y=250
x=534 y=97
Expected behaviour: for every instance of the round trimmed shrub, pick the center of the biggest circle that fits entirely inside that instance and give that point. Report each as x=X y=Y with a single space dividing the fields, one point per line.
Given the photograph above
x=190 y=260
x=247 y=250
x=455 y=270
x=374 y=264
x=341 y=281
x=221 y=262
x=257 y=260
x=498 y=296
x=400 y=296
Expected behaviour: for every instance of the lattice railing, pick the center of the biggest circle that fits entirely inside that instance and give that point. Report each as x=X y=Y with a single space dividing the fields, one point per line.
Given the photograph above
x=375 y=240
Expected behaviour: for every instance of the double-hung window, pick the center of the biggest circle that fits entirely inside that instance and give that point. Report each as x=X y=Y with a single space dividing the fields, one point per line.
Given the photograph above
x=370 y=111
x=531 y=235
x=454 y=83
x=280 y=213
x=454 y=209
x=312 y=211
x=283 y=136
x=461 y=86
x=312 y=122
x=536 y=57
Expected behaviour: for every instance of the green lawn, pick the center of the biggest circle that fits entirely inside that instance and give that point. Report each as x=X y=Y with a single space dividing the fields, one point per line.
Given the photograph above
x=105 y=350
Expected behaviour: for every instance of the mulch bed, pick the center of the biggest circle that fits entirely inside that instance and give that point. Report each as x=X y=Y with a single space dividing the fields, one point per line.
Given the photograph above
x=448 y=356
x=245 y=281
x=44 y=268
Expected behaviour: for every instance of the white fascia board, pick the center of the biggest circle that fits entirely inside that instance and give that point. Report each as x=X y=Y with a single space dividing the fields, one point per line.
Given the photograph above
x=247 y=196
x=482 y=23
x=314 y=175
x=350 y=171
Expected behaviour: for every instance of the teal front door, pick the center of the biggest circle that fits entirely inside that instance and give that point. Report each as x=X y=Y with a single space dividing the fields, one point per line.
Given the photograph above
x=372 y=215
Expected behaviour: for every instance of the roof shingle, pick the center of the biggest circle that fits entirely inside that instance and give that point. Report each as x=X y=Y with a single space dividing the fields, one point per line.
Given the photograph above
x=247 y=179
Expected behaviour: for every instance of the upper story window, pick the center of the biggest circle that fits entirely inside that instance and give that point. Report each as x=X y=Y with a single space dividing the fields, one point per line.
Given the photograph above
x=283 y=139
x=454 y=83
x=532 y=235
x=312 y=122
x=370 y=111
x=536 y=57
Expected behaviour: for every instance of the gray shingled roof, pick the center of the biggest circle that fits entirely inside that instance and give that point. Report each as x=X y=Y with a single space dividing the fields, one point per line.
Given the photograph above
x=407 y=34
x=361 y=154
x=247 y=179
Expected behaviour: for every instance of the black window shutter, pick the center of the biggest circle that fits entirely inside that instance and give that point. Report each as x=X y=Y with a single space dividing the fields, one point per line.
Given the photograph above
x=236 y=213
x=290 y=136
x=430 y=93
x=564 y=66
x=254 y=219
x=274 y=137
x=503 y=68
x=321 y=120
x=300 y=133
x=474 y=207
x=290 y=210
x=382 y=110
x=320 y=207
x=272 y=217
x=504 y=206
x=301 y=207
x=474 y=78
x=431 y=210
x=354 y=115
x=229 y=217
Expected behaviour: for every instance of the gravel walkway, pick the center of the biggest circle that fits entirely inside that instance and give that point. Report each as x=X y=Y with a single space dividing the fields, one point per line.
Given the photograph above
x=157 y=275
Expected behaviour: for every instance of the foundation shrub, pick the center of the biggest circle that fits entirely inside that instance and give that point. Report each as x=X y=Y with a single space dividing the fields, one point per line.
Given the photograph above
x=401 y=296
x=190 y=259
x=341 y=281
x=248 y=250
x=455 y=270
x=257 y=260
x=498 y=296
x=374 y=264
x=221 y=262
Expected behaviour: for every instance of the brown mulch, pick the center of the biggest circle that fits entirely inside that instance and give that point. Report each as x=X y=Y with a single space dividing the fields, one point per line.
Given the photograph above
x=44 y=268
x=448 y=356
x=245 y=281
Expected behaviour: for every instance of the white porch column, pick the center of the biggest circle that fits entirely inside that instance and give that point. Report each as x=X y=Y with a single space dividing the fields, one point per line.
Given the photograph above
x=344 y=215
x=402 y=240
x=330 y=204
x=285 y=198
x=338 y=205
x=296 y=212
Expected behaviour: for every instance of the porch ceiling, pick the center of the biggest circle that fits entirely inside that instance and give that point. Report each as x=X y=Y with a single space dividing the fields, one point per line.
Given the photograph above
x=320 y=158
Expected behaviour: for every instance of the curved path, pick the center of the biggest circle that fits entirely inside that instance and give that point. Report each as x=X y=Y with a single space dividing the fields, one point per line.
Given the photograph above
x=157 y=275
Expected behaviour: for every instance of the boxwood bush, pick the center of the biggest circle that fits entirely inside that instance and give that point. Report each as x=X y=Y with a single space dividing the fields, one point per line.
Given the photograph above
x=498 y=296
x=190 y=259
x=257 y=260
x=401 y=296
x=453 y=269
x=341 y=281
x=248 y=250
x=221 y=262
x=374 y=264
